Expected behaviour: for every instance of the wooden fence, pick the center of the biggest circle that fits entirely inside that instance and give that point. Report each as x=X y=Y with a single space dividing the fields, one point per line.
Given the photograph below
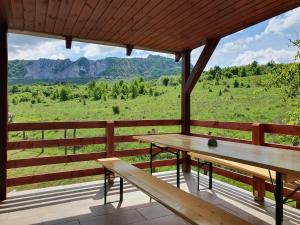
x=258 y=132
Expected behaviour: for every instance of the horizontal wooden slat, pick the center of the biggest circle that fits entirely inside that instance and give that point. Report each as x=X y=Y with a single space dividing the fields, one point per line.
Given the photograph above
x=223 y=125
x=75 y=174
x=282 y=129
x=139 y=123
x=39 y=161
x=13 y=145
x=55 y=125
x=53 y=176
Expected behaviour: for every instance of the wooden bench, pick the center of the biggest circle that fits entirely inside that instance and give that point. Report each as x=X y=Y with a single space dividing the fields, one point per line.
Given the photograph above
x=187 y=206
x=260 y=175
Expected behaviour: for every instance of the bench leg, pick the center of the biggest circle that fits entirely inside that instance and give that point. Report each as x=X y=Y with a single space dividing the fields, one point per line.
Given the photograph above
x=279 y=199
x=151 y=158
x=198 y=174
x=178 y=167
x=210 y=175
x=121 y=189
x=259 y=189
x=105 y=185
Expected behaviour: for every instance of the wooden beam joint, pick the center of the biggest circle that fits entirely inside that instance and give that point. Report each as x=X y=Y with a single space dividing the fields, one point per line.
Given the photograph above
x=129 y=49
x=69 y=42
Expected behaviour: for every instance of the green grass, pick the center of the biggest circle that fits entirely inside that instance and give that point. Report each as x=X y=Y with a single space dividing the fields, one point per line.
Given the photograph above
x=252 y=104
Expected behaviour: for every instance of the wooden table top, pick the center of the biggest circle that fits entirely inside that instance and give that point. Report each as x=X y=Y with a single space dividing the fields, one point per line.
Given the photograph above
x=281 y=160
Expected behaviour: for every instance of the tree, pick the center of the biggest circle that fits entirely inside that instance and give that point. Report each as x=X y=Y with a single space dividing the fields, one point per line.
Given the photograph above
x=243 y=72
x=236 y=83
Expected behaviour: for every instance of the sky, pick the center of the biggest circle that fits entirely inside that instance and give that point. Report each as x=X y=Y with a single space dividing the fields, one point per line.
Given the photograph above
x=263 y=42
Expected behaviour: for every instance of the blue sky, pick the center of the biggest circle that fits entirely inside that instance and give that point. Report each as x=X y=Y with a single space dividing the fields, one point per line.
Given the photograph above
x=263 y=42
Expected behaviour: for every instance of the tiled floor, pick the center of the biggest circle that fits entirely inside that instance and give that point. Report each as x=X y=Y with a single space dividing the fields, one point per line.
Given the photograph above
x=82 y=204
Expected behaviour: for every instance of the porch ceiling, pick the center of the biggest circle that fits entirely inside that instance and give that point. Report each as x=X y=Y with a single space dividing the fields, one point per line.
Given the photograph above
x=167 y=26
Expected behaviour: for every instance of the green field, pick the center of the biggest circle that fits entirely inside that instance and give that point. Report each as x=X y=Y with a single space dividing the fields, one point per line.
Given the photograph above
x=211 y=100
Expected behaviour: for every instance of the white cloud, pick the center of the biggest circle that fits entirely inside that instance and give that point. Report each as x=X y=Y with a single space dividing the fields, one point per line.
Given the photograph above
x=284 y=22
x=264 y=56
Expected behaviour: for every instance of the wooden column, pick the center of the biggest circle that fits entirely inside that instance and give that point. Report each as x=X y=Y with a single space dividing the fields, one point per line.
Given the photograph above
x=258 y=138
x=3 y=109
x=185 y=106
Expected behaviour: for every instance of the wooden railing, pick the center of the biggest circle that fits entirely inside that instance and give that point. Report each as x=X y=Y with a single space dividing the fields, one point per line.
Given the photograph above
x=109 y=139
x=258 y=132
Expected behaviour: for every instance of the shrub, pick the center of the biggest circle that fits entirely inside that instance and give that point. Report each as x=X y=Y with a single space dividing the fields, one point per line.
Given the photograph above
x=220 y=93
x=210 y=90
x=236 y=83
x=116 y=109
x=64 y=94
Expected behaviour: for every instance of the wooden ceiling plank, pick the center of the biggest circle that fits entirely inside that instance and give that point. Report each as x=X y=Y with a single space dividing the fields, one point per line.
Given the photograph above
x=201 y=63
x=260 y=14
x=73 y=16
x=18 y=13
x=143 y=12
x=208 y=12
x=29 y=14
x=40 y=14
x=137 y=6
x=169 y=27
x=157 y=14
x=142 y=34
x=52 y=11
x=64 y=11
x=107 y=15
x=84 y=16
x=96 y=15
x=253 y=8
x=122 y=11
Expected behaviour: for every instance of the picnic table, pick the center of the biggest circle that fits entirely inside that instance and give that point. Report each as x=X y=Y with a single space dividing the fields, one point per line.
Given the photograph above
x=284 y=162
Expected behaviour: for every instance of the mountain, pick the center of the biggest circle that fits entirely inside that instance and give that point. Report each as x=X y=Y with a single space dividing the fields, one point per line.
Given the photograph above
x=84 y=69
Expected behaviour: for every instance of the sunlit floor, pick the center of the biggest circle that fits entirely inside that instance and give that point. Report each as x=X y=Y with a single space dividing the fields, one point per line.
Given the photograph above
x=82 y=204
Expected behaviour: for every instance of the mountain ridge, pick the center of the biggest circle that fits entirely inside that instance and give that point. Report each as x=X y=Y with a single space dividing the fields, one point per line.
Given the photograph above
x=107 y=68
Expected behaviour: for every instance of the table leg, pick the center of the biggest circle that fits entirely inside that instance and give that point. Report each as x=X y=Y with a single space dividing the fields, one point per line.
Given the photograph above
x=105 y=185
x=279 y=199
x=151 y=158
x=178 y=168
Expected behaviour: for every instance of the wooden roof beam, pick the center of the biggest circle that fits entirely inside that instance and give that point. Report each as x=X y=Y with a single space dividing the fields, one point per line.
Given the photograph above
x=202 y=61
x=129 y=49
x=177 y=56
x=68 y=42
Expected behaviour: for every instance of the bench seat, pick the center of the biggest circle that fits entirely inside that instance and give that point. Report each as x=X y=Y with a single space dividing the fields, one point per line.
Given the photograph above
x=289 y=179
x=187 y=206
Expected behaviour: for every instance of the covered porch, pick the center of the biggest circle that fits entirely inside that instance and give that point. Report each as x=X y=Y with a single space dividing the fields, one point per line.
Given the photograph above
x=175 y=27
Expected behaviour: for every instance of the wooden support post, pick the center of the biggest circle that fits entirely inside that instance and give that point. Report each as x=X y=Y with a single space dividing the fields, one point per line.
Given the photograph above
x=110 y=145
x=185 y=106
x=258 y=138
x=3 y=109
